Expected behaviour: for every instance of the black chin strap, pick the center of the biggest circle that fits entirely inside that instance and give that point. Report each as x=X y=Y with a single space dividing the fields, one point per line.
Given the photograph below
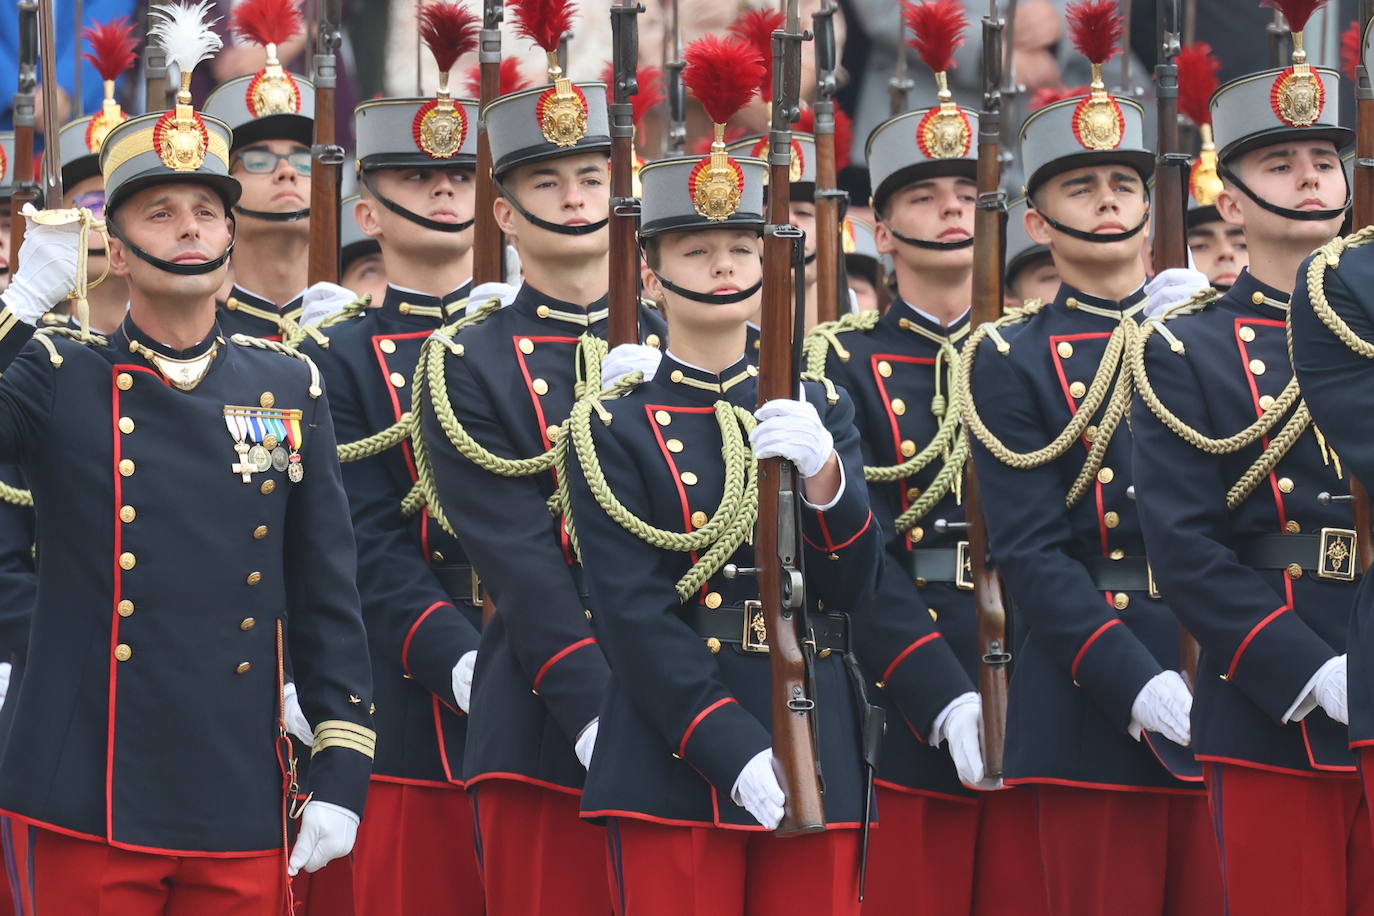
x=185 y=270
x=543 y=223
x=415 y=218
x=1100 y=238
x=289 y=216
x=810 y=258
x=709 y=298
x=1304 y=215
x=930 y=246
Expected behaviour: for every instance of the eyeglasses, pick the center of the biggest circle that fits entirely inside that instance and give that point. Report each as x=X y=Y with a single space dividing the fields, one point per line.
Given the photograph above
x=93 y=201
x=264 y=161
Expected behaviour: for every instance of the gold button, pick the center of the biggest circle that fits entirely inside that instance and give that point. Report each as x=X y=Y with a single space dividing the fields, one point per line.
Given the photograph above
x=898 y=406
x=1286 y=484
x=387 y=345
x=123 y=652
x=699 y=519
x=934 y=614
x=254 y=578
x=269 y=442
x=713 y=600
x=125 y=608
x=916 y=534
x=908 y=448
x=398 y=380
x=1257 y=366
x=1292 y=527
x=676 y=375
x=1065 y=349
x=884 y=368
x=127 y=561
x=436 y=557
x=653 y=341
x=1078 y=389
x=1118 y=554
x=552 y=432
x=127 y=514
x=1266 y=401
x=540 y=386
x=1247 y=334
x=904 y=323
x=662 y=417
x=243 y=667
x=751 y=369
x=259 y=532
x=1090 y=433
x=126 y=425
x=1071 y=302
x=1257 y=297
x=266 y=399
x=674 y=445
x=1294 y=571
x=1111 y=519
x=126 y=467
x=247 y=624
x=713 y=645
x=526 y=345
x=1121 y=601
x=1106 y=475
x=913 y=494
x=542 y=311
x=268 y=486
x=689 y=478
x=124 y=380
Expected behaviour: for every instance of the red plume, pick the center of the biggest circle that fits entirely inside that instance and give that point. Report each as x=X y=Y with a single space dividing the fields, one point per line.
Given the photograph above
x=755 y=28
x=723 y=74
x=266 y=22
x=1197 y=80
x=650 y=89
x=1296 y=12
x=542 y=21
x=509 y=80
x=1352 y=46
x=112 y=47
x=937 y=30
x=1096 y=28
x=449 y=30
x=844 y=132
x=1048 y=95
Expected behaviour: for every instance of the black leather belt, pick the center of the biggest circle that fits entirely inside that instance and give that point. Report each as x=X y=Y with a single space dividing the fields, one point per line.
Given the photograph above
x=1330 y=553
x=744 y=626
x=939 y=564
x=1128 y=574
x=461 y=582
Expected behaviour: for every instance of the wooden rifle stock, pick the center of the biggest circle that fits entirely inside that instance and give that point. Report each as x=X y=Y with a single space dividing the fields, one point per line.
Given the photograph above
x=326 y=155
x=623 y=300
x=776 y=545
x=47 y=60
x=988 y=229
x=488 y=249
x=1363 y=216
x=829 y=209
x=25 y=188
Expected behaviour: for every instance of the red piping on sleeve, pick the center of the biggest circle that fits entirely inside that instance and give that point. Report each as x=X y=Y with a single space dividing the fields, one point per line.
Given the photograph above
x=1073 y=669
x=686 y=736
x=559 y=656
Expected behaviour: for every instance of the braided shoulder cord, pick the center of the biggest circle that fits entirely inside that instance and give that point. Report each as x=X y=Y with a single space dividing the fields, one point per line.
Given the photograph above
x=44 y=337
x=1270 y=457
x=15 y=496
x=243 y=340
x=1329 y=255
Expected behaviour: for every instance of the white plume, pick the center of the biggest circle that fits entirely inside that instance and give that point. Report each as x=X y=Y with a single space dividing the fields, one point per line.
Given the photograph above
x=184 y=33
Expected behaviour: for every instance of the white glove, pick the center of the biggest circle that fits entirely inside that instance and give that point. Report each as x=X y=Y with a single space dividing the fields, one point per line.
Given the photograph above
x=47 y=268
x=627 y=358
x=1172 y=287
x=961 y=724
x=757 y=790
x=5 y=668
x=792 y=430
x=462 y=679
x=327 y=832
x=485 y=292
x=324 y=300
x=296 y=722
x=1164 y=705
x=585 y=745
x=1329 y=689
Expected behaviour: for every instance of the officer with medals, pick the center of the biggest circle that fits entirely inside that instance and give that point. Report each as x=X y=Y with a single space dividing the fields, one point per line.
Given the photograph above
x=148 y=765
x=1245 y=539
x=498 y=384
x=683 y=773
x=420 y=597
x=916 y=634
x=1097 y=716
x=271 y=113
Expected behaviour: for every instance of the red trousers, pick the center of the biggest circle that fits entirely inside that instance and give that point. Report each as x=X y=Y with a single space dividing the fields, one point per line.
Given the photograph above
x=1008 y=876
x=1292 y=844
x=1127 y=853
x=921 y=856
x=1365 y=758
x=415 y=852
x=537 y=856
x=327 y=892
x=72 y=876
x=660 y=870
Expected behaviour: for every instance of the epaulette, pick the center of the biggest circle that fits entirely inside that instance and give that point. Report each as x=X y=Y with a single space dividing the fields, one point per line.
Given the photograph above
x=825 y=337
x=1155 y=323
x=1010 y=317
x=471 y=318
x=243 y=340
x=45 y=335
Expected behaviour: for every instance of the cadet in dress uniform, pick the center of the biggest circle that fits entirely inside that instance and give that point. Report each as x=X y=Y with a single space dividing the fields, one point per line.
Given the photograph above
x=147 y=760
x=420 y=598
x=916 y=635
x=1097 y=717
x=1235 y=491
x=1029 y=272
x=863 y=266
x=502 y=386
x=683 y=771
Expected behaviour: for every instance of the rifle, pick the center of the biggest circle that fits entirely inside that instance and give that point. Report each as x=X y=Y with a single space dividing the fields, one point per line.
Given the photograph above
x=155 y=86
x=326 y=155
x=989 y=229
x=25 y=188
x=624 y=288
x=1363 y=216
x=676 y=136
x=488 y=248
x=47 y=60
x=1171 y=167
x=778 y=541
x=830 y=200
x=899 y=85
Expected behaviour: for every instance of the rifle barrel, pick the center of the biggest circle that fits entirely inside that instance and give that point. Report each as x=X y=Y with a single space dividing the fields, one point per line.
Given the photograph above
x=488 y=250
x=623 y=300
x=326 y=154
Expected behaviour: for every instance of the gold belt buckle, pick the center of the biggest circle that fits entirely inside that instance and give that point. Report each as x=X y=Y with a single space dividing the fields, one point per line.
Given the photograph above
x=476 y=587
x=963 y=566
x=755 y=636
x=1336 y=554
